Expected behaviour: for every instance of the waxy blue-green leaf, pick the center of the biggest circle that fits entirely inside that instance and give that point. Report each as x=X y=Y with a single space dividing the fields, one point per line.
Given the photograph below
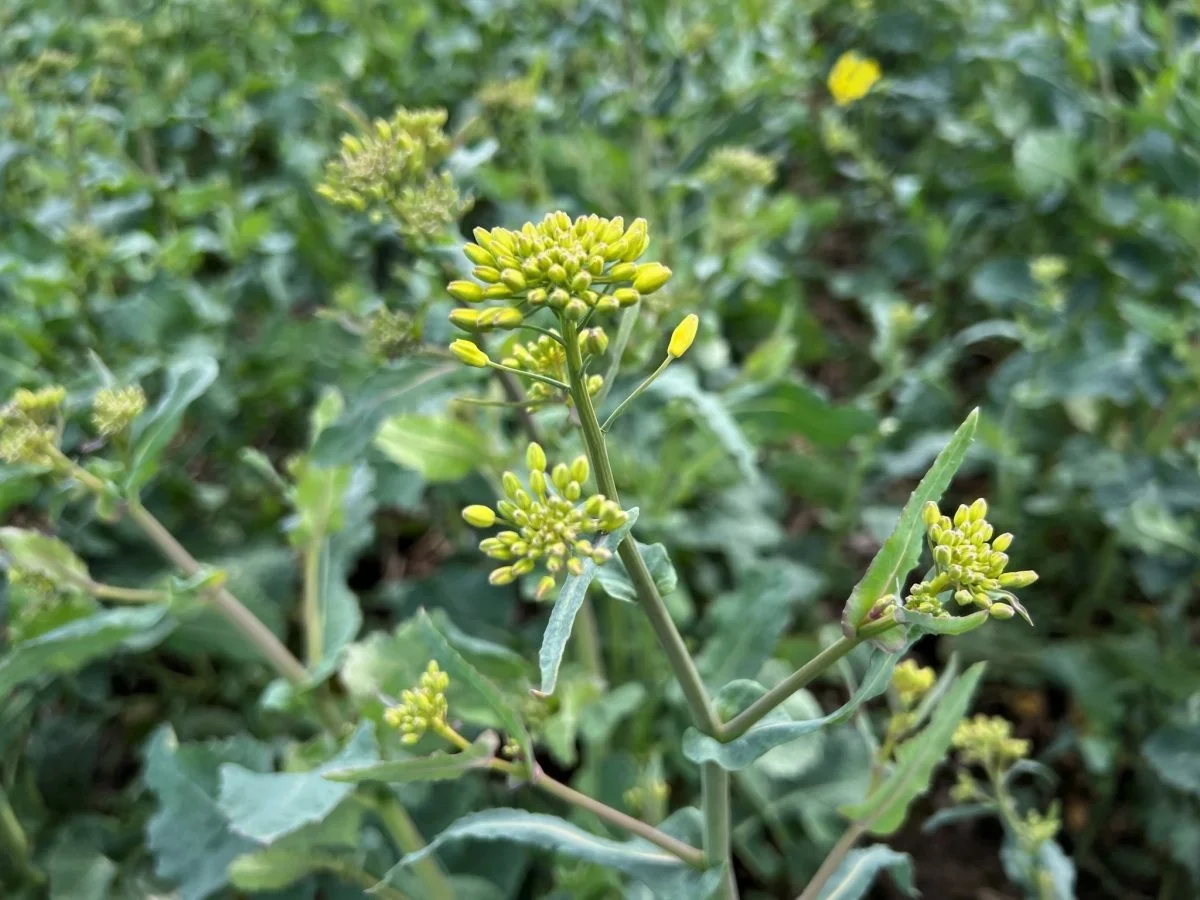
x=614 y=580
x=187 y=379
x=81 y=641
x=458 y=668
x=853 y=878
x=567 y=605
x=777 y=727
x=923 y=623
x=267 y=806
x=316 y=847
x=33 y=551
x=438 y=766
x=435 y=447
x=1173 y=751
x=681 y=383
x=901 y=551
x=916 y=759
x=668 y=876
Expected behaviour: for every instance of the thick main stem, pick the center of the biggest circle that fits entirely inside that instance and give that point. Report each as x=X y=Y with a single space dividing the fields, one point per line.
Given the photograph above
x=844 y=845
x=408 y=839
x=314 y=639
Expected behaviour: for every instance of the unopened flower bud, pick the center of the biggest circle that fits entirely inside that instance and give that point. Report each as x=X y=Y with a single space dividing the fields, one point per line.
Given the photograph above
x=507 y=317
x=1020 y=579
x=467 y=352
x=513 y=279
x=626 y=296
x=622 y=272
x=535 y=457
x=478 y=516
x=544 y=587
x=466 y=291
x=1002 y=542
x=576 y=310
x=1001 y=611
x=501 y=576
x=478 y=255
x=683 y=335
x=650 y=277
x=594 y=340
x=930 y=513
x=580 y=469
x=978 y=510
x=490 y=274
x=464 y=318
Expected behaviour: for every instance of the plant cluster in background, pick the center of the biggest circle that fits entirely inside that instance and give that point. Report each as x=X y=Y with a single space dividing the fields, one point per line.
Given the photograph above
x=883 y=214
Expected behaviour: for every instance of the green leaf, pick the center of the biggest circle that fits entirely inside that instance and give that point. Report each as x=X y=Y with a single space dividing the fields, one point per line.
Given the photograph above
x=1045 y=162
x=680 y=383
x=1174 y=753
x=386 y=393
x=435 y=767
x=614 y=580
x=923 y=623
x=747 y=622
x=777 y=727
x=188 y=835
x=267 y=806
x=566 y=607
x=437 y=448
x=340 y=614
x=42 y=554
x=884 y=810
x=902 y=549
x=457 y=667
x=311 y=849
x=858 y=871
x=318 y=500
x=78 y=643
x=669 y=877
x=187 y=379
x=1026 y=869
x=792 y=408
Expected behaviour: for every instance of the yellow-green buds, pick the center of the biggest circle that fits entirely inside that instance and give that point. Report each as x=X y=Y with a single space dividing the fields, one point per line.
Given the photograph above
x=911 y=682
x=683 y=336
x=548 y=522
x=593 y=340
x=851 y=77
x=479 y=516
x=465 y=291
x=28 y=426
x=547 y=356
x=467 y=352
x=113 y=410
x=423 y=707
x=464 y=318
x=650 y=277
x=738 y=167
x=39 y=404
x=988 y=740
x=969 y=565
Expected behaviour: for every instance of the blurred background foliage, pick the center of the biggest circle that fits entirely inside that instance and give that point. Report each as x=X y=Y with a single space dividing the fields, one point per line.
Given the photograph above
x=1010 y=219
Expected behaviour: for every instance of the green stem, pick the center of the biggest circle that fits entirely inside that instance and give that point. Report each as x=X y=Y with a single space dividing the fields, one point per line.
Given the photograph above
x=844 y=845
x=118 y=594
x=228 y=605
x=742 y=722
x=636 y=393
x=314 y=638
x=15 y=844
x=408 y=839
x=589 y=640
x=545 y=379
x=714 y=786
x=355 y=875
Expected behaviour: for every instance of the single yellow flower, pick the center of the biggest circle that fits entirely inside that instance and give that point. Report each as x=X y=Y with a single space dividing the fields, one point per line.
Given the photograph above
x=851 y=77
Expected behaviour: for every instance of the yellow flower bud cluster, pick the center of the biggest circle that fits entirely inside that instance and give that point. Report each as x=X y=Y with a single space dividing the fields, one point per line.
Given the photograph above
x=547 y=356
x=912 y=681
x=34 y=586
x=571 y=266
x=422 y=707
x=547 y=523
x=114 y=409
x=28 y=426
x=852 y=77
x=988 y=741
x=738 y=167
x=1039 y=827
x=969 y=564
x=390 y=168
x=641 y=797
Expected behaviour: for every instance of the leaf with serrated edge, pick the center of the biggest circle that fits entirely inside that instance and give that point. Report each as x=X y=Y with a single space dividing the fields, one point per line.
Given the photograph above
x=884 y=810
x=567 y=606
x=668 y=876
x=776 y=728
x=457 y=667
x=902 y=549
x=435 y=767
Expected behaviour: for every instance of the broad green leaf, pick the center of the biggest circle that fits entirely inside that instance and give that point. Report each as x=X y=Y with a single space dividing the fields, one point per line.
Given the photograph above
x=746 y=623
x=923 y=623
x=885 y=809
x=188 y=834
x=340 y=614
x=311 y=849
x=566 y=607
x=82 y=873
x=438 y=766
x=778 y=727
x=318 y=499
x=437 y=448
x=187 y=379
x=267 y=806
x=78 y=643
x=668 y=876
x=33 y=551
x=1047 y=873
x=1045 y=162
x=858 y=871
x=457 y=667
x=388 y=392
x=680 y=383
x=792 y=408
x=1173 y=751
x=614 y=580
x=901 y=551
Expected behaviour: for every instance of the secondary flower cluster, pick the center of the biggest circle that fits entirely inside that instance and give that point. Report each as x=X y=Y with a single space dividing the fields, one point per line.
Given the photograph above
x=571 y=266
x=422 y=707
x=911 y=682
x=390 y=167
x=739 y=167
x=547 y=356
x=29 y=426
x=549 y=522
x=114 y=409
x=988 y=740
x=969 y=564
